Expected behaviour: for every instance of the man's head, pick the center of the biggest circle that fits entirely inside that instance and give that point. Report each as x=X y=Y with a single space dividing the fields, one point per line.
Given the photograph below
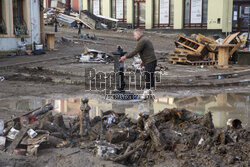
x=137 y=34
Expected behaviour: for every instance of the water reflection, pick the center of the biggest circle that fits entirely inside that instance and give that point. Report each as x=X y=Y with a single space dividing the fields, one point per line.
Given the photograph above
x=222 y=106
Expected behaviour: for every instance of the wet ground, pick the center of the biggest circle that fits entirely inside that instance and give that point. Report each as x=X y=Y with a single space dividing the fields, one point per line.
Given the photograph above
x=32 y=81
x=223 y=106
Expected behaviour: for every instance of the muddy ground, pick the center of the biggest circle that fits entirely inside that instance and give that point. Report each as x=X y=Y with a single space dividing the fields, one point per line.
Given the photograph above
x=57 y=75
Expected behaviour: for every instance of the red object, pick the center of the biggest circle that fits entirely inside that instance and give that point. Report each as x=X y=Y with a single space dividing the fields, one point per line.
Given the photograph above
x=19 y=151
x=75 y=5
x=48 y=3
x=32 y=119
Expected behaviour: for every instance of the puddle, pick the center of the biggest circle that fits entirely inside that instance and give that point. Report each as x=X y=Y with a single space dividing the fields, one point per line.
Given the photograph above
x=222 y=106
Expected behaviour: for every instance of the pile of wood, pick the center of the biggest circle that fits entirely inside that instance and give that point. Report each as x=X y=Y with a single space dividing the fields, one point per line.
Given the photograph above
x=200 y=51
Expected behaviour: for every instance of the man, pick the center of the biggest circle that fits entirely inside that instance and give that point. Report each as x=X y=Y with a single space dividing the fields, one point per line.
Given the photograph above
x=146 y=51
x=56 y=24
x=80 y=28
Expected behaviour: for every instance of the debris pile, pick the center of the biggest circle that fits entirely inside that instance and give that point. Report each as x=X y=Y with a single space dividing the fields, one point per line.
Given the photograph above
x=202 y=50
x=71 y=19
x=94 y=56
x=97 y=21
x=24 y=135
x=173 y=136
x=49 y=16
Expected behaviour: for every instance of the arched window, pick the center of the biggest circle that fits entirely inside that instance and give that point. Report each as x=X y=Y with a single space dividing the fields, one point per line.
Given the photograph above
x=195 y=13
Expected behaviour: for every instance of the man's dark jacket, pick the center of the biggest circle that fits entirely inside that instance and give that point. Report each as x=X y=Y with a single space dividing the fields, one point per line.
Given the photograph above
x=145 y=49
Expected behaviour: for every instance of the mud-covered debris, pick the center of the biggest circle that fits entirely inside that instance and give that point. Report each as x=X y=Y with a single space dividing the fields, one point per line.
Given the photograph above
x=34 y=128
x=184 y=137
x=2 y=142
x=234 y=123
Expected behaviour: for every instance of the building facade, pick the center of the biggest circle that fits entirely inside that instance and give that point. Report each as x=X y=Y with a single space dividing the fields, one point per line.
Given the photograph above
x=75 y=4
x=223 y=15
x=19 y=18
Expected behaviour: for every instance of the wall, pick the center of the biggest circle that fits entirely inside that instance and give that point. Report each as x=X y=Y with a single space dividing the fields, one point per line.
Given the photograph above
x=106 y=8
x=85 y=4
x=149 y=14
x=178 y=14
x=11 y=41
x=130 y=11
x=219 y=13
x=75 y=5
x=227 y=16
x=215 y=14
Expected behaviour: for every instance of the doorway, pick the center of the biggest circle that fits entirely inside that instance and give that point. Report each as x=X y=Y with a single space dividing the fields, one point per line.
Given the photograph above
x=241 y=11
x=139 y=13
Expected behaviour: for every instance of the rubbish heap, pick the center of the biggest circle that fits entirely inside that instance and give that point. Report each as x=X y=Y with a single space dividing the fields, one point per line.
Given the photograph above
x=202 y=50
x=71 y=19
x=39 y=128
x=94 y=56
x=172 y=137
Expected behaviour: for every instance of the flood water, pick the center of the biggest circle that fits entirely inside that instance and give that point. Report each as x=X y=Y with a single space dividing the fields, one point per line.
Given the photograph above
x=222 y=106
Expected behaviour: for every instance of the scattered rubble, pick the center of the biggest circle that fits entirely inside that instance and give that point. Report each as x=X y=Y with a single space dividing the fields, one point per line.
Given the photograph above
x=153 y=139
x=187 y=138
x=97 y=22
x=94 y=56
x=71 y=19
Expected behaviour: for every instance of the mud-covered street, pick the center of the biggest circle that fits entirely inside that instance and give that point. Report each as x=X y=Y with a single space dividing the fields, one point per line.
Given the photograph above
x=186 y=123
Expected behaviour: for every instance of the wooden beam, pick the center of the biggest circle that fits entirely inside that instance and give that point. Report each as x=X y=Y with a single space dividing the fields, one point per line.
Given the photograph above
x=17 y=140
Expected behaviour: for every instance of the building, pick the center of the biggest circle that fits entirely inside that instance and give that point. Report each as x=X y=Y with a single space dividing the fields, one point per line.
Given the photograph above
x=74 y=4
x=220 y=15
x=19 y=18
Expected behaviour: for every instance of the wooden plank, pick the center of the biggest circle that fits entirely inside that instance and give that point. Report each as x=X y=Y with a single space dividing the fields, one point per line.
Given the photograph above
x=234 y=49
x=17 y=140
x=211 y=55
x=223 y=45
x=230 y=38
x=50 y=41
x=198 y=63
x=86 y=20
x=181 y=50
x=203 y=39
x=223 y=56
x=188 y=43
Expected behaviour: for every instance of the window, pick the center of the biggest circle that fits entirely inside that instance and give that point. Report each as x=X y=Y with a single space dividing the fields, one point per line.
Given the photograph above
x=2 y=22
x=195 y=13
x=139 y=13
x=163 y=13
x=95 y=7
x=241 y=11
x=119 y=10
x=20 y=26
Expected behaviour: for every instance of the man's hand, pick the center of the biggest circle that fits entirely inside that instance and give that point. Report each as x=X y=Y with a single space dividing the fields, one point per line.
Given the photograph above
x=141 y=64
x=123 y=58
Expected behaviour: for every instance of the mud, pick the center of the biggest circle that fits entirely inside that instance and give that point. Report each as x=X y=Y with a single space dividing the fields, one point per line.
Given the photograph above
x=171 y=142
x=186 y=138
